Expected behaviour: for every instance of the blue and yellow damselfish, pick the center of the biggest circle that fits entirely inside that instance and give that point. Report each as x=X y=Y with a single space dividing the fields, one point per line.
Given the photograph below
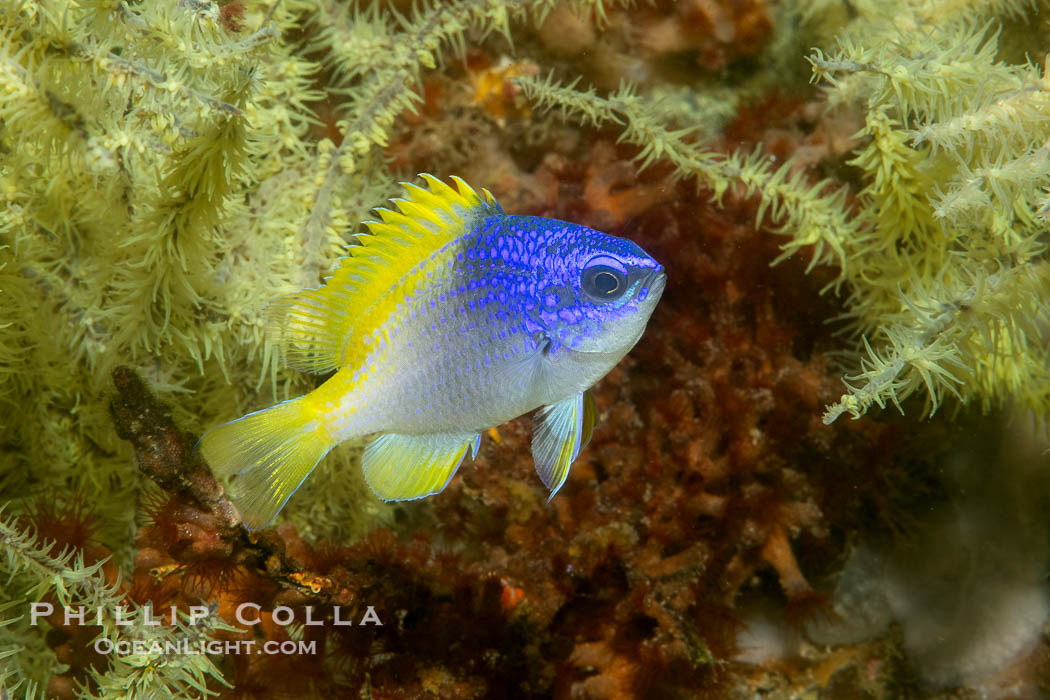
x=449 y=318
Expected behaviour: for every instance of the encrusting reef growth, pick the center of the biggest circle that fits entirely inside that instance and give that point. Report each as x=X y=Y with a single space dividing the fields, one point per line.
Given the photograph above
x=169 y=168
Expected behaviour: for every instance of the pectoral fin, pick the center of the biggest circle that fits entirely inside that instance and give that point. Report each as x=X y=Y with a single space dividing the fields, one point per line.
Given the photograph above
x=404 y=467
x=529 y=373
x=559 y=432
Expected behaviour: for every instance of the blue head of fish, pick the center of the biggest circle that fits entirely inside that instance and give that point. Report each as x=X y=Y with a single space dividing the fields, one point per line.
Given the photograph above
x=590 y=294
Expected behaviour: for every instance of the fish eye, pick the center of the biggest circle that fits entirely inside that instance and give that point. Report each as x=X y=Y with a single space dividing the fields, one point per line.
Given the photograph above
x=603 y=282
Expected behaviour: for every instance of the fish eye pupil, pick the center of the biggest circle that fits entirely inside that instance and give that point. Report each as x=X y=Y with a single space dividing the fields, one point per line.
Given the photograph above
x=603 y=283
x=606 y=282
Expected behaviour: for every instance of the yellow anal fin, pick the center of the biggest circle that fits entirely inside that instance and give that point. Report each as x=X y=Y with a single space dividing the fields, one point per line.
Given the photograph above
x=404 y=467
x=320 y=330
x=268 y=454
x=559 y=432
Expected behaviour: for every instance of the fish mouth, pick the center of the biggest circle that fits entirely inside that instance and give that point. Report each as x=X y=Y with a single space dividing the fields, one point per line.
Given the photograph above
x=655 y=282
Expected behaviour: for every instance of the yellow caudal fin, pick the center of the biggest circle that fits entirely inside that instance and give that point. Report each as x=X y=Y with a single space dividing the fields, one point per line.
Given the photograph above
x=268 y=454
x=320 y=330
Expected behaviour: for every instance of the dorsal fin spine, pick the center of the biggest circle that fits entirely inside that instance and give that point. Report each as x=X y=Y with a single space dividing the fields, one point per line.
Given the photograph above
x=419 y=213
x=317 y=329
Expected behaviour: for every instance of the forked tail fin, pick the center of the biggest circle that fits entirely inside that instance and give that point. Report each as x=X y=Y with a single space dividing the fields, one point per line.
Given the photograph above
x=268 y=453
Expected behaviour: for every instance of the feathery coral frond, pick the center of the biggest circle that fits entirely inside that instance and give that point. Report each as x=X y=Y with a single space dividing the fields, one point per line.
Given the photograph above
x=813 y=217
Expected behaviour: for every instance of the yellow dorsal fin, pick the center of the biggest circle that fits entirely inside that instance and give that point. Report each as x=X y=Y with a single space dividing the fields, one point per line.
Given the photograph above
x=315 y=329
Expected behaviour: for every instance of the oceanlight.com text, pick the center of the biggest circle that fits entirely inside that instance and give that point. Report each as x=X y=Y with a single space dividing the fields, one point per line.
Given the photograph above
x=204 y=646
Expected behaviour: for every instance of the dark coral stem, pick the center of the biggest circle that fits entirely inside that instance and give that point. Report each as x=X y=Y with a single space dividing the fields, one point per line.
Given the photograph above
x=164 y=453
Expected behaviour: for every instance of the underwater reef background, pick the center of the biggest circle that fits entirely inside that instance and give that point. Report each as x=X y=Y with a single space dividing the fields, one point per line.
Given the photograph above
x=169 y=168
